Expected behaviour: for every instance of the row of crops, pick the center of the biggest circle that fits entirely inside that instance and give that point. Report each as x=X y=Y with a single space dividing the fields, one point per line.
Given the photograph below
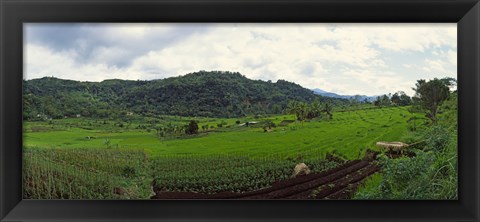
x=99 y=173
x=212 y=174
x=81 y=173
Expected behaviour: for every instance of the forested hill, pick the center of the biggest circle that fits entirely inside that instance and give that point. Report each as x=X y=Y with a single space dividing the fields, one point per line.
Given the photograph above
x=213 y=94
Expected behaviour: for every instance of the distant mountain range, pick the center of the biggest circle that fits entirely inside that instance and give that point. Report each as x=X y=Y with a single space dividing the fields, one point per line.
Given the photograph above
x=359 y=98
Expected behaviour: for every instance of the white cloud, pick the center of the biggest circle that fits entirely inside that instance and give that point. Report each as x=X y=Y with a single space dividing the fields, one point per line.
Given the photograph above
x=375 y=81
x=443 y=66
x=452 y=56
x=42 y=62
x=434 y=66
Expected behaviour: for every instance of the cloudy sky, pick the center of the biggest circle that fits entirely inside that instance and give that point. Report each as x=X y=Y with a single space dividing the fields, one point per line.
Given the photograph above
x=369 y=59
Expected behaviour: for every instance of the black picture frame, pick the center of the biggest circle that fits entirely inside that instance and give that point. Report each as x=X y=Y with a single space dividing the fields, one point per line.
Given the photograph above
x=13 y=13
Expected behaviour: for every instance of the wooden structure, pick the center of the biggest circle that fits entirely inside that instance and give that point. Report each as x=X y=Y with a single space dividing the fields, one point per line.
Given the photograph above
x=393 y=146
x=396 y=146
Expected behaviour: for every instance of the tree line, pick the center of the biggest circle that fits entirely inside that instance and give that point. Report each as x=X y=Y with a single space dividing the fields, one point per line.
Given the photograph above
x=397 y=99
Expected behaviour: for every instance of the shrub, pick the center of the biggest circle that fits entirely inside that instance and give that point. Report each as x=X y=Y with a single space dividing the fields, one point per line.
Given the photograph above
x=269 y=124
x=402 y=178
x=428 y=175
x=438 y=138
x=399 y=173
x=192 y=127
x=128 y=171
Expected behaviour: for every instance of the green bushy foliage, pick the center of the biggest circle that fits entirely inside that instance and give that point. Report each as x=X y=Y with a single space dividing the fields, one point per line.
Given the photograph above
x=430 y=174
x=403 y=178
x=437 y=139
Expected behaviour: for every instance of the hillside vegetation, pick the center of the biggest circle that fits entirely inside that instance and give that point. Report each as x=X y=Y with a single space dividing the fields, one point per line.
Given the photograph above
x=208 y=94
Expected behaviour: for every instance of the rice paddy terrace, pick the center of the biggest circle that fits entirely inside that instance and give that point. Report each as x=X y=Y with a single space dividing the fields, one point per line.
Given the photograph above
x=232 y=160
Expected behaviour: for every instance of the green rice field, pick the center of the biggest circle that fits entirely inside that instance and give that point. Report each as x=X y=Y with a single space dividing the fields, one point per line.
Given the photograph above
x=82 y=158
x=349 y=133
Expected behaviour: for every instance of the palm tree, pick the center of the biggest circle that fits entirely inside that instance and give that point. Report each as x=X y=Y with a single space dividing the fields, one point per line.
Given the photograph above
x=296 y=108
x=328 y=110
x=302 y=111
x=292 y=108
x=315 y=109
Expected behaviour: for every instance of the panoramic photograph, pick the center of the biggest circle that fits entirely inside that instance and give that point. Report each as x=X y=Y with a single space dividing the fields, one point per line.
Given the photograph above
x=155 y=111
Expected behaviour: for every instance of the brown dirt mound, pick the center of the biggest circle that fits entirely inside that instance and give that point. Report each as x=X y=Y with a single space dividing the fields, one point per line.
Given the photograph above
x=338 y=182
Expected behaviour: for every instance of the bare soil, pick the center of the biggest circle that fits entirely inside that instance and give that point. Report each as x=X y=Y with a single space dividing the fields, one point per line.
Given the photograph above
x=338 y=183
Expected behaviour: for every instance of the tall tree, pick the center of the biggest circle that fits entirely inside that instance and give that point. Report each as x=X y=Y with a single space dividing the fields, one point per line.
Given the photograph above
x=405 y=100
x=300 y=109
x=385 y=101
x=192 y=127
x=382 y=101
x=395 y=99
x=315 y=109
x=328 y=110
x=430 y=95
x=303 y=110
x=401 y=99
x=292 y=108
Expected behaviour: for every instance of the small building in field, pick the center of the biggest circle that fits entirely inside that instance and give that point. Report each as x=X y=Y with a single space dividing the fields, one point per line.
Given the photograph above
x=248 y=123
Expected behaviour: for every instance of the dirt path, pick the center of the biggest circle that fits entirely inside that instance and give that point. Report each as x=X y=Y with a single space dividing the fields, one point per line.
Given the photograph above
x=338 y=183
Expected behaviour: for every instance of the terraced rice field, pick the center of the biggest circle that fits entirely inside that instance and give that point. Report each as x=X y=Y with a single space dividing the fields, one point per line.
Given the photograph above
x=348 y=133
x=231 y=161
